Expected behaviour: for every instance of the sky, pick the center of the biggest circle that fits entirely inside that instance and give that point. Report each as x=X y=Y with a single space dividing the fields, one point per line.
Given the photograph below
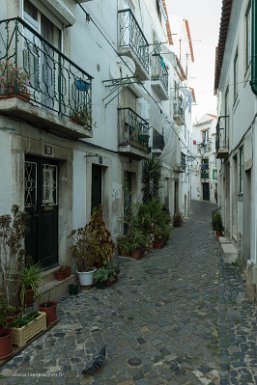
x=204 y=21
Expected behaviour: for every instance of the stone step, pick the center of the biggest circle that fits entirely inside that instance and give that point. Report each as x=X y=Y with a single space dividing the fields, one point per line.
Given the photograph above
x=223 y=240
x=230 y=252
x=52 y=289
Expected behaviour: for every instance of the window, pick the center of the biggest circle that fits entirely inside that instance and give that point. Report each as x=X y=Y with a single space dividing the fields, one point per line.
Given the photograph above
x=235 y=80
x=183 y=161
x=248 y=36
x=241 y=170
x=205 y=137
x=214 y=174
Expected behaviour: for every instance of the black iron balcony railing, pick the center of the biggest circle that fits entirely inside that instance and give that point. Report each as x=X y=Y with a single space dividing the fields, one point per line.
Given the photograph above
x=132 y=37
x=33 y=68
x=205 y=174
x=222 y=141
x=160 y=71
x=133 y=129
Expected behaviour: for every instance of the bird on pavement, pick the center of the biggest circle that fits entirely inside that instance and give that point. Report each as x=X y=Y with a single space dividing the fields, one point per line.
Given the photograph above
x=96 y=362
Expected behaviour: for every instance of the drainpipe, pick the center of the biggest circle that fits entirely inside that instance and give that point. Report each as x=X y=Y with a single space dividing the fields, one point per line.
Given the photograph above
x=253 y=82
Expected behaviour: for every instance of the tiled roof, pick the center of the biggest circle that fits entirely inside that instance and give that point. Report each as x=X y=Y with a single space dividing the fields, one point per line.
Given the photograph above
x=167 y=23
x=224 y=23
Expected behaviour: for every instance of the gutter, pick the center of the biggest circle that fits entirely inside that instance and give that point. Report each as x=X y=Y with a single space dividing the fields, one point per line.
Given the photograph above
x=253 y=82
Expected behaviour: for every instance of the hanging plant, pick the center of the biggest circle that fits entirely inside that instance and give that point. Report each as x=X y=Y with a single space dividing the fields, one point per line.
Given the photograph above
x=151 y=175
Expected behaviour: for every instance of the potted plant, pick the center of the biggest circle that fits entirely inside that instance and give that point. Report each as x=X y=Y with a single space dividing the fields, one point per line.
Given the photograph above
x=92 y=247
x=14 y=81
x=50 y=308
x=26 y=326
x=5 y=332
x=62 y=273
x=30 y=278
x=12 y=254
x=217 y=223
x=138 y=243
x=73 y=289
x=123 y=245
x=106 y=275
x=81 y=116
x=177 y=219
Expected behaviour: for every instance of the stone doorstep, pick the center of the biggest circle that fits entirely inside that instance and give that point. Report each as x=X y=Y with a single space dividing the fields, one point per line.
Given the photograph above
x=52 y=289
x=230 y=252
x=223 y=240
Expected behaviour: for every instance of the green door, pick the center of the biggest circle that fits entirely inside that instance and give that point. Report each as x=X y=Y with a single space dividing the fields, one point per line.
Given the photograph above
x=41 y=202
x=96 y=186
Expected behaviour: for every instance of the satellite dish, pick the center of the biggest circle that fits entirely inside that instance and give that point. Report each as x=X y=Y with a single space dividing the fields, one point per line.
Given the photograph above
x=123 y=68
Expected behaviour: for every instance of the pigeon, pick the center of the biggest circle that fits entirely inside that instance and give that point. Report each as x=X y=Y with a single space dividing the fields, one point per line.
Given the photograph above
x=96 y=362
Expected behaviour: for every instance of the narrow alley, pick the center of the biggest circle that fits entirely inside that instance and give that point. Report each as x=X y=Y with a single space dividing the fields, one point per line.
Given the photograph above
x=177 y=317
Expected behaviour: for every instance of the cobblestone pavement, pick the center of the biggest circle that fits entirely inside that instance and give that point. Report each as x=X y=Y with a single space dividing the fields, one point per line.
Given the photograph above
x=176 y=317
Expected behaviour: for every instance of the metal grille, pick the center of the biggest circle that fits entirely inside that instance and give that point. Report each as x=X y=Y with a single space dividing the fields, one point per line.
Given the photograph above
x=30 y=184
x=49 y=184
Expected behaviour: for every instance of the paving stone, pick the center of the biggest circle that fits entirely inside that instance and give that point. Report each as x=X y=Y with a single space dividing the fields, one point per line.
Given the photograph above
x=173 y=313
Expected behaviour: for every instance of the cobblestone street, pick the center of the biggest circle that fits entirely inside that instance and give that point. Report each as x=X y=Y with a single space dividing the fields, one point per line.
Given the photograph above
x=175 y=317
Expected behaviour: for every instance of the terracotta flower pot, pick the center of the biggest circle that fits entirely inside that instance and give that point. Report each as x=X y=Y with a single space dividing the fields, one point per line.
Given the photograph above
x=136 y=254
x=5 y=343
x=49 y=307
x=158 y=244
x=29 y=300
x=63 y=273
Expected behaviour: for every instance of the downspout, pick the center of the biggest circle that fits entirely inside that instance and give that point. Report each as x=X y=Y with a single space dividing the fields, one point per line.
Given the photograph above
x=253 y=82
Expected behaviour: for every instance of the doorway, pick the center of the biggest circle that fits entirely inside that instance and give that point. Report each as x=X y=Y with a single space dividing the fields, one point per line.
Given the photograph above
x=41 y=203
x=206 y=191
x=96 y=197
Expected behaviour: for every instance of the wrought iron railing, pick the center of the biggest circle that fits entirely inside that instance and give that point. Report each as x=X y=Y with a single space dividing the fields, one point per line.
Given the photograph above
x=33 y=68
x=222 y=141
x=205 y=174
x=160 y=71
x=131 y=36
x=133 y=129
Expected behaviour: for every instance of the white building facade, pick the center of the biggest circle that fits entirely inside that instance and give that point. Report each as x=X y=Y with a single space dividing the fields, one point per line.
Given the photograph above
x=235 y=82
x=204 y=172
x=94 y=97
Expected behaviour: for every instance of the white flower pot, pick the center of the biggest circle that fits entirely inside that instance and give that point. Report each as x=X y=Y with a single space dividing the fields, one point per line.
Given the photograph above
x=86 y=277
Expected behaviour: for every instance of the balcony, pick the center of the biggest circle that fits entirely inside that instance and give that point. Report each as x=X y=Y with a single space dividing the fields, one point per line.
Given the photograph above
x=132 y=43
x=133 y=134
x=222 y=142
x=159 y=77
x=179 y=112
x=40 y=85
x=158 y=143
x=205 y=174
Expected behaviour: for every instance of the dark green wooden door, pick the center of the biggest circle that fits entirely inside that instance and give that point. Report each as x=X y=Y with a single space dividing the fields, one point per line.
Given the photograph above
x=41 y=202
x=96 y=186
x=206 y=191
